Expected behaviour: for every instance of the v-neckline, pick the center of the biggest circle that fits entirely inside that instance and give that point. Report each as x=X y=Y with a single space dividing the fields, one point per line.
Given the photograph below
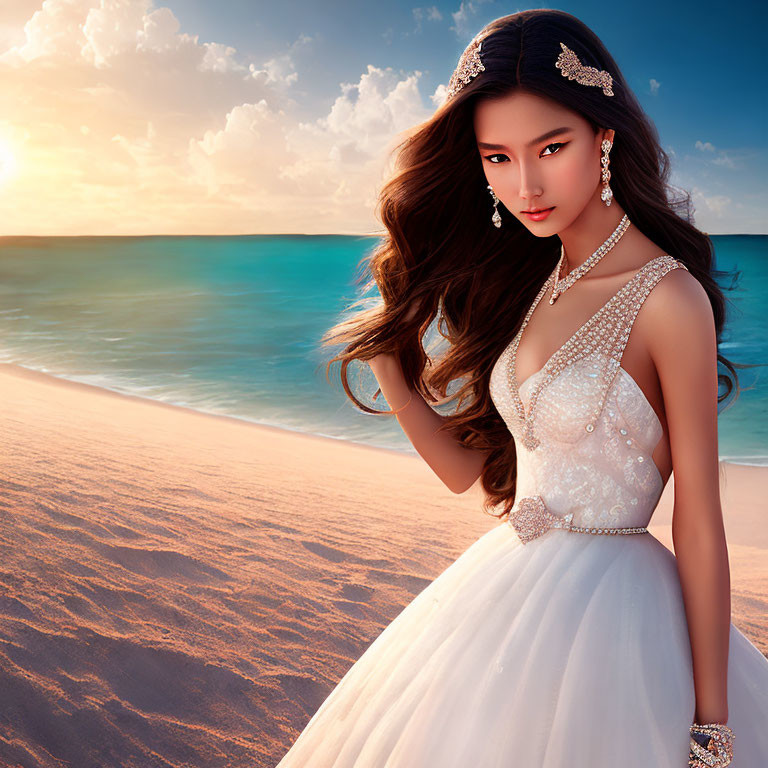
x=515 y=343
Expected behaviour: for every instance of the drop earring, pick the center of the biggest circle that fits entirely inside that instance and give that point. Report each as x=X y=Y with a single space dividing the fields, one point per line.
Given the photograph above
x=496 y=218
x=607 y=193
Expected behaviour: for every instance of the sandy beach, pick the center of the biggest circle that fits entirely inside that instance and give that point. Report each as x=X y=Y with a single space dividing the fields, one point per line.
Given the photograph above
x=180 y=589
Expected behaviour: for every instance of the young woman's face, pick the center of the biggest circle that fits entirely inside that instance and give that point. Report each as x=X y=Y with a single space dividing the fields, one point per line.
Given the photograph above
x=538 y=154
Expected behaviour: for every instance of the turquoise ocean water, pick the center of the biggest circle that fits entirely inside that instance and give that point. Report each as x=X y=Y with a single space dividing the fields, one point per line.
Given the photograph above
x=231 y=325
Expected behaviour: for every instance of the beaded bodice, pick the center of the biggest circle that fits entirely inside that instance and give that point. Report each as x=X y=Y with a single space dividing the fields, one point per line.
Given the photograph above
x=583 y=429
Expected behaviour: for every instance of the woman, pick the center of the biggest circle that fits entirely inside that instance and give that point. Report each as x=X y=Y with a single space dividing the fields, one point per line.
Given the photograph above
x=586 y=335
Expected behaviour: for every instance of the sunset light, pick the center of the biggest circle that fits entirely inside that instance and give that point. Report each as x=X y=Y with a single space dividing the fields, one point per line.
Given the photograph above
x=8 y=163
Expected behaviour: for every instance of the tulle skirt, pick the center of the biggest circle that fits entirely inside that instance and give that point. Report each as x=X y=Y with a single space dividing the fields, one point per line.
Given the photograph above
x=571 y=650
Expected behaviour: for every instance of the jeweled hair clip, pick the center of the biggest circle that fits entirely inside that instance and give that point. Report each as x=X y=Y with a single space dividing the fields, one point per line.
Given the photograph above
x=469 y=66
x=569 y=65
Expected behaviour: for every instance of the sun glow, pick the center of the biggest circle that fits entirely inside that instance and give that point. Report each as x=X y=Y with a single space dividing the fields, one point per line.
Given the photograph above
x=7 y=162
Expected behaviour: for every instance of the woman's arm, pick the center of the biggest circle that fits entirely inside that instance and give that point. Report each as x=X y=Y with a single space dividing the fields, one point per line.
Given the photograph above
x=458 y=467
x=683 y=345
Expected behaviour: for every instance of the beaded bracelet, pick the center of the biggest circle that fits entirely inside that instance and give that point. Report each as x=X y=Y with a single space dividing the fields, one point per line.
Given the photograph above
x=711 y=745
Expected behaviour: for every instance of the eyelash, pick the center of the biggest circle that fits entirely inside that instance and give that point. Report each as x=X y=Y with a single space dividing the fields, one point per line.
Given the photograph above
x=554 y=144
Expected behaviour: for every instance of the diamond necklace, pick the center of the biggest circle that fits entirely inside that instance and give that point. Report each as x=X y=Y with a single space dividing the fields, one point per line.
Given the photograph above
x=560 y=286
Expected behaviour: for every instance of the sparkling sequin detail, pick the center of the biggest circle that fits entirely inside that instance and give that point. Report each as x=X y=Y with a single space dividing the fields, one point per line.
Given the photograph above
x=569 y=65
x=531 y=519
x=572 y=418
x=607 y=331
x=470 y=65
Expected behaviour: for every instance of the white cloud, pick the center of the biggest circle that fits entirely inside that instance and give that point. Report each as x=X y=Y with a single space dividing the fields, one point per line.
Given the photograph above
x=725 y=160
x=726 y=202
x=716 y=206
x=439 y=95
x=655 y=85
x=463 y=20
x=15 y=13
x=220 y=58
x=159 y=31
x=321 y=174
x=96 y=31
x=113 y=29
x=54 y=29
x=429 y=14
x=722 y=158
x=120 y=124
x=280 y=71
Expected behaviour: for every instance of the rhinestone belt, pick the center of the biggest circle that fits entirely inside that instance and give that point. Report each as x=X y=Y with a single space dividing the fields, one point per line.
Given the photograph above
x=532 y=519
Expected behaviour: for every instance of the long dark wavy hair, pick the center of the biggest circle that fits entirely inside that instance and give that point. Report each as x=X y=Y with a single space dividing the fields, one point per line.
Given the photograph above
x=442 y=258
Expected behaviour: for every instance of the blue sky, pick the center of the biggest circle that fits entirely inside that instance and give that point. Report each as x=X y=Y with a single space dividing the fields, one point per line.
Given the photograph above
x=235 y=117
x=708 y=59
x=694 y=50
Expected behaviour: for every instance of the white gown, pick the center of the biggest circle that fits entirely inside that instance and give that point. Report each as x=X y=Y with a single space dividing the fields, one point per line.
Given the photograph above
x=567 y=650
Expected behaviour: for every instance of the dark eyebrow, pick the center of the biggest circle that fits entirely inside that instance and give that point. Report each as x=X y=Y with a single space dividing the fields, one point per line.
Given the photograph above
x=544 y=137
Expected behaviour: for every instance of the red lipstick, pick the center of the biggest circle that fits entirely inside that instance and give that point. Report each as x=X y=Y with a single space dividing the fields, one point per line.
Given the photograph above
x=538 y=214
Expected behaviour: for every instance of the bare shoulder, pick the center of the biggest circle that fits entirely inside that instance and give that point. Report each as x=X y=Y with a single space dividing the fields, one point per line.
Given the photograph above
x=678 y=313
x=679 y=296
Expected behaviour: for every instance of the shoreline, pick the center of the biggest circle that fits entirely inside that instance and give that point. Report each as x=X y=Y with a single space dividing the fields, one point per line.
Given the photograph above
x=21 y=371
x=31 y=374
